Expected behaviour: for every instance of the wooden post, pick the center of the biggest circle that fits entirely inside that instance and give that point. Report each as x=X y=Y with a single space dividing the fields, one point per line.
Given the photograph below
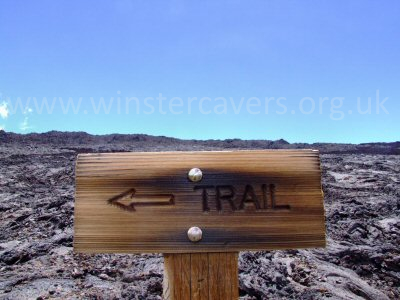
x=201 y=276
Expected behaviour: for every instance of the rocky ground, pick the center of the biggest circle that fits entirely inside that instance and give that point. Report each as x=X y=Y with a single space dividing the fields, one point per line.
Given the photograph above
x=362 y=200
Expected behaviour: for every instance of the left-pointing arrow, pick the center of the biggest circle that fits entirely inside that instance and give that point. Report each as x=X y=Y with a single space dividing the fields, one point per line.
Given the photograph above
x=129 y=199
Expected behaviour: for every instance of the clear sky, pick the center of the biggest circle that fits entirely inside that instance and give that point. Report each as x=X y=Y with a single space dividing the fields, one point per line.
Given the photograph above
x=305 y=71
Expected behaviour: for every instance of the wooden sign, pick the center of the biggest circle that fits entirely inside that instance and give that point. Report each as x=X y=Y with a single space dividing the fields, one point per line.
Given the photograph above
x=232 y=201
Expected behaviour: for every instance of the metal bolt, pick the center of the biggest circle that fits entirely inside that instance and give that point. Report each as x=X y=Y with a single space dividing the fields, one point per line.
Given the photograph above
x=195 y=234
x=195 y=175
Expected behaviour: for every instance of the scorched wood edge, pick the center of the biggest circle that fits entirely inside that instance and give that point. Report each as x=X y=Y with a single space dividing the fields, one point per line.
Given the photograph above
x=247 y=200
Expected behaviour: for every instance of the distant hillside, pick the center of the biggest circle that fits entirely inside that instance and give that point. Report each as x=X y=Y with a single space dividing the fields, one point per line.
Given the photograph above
x=84 y=142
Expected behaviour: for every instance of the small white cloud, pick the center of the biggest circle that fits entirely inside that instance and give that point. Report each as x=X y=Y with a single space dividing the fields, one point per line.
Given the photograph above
x=24 y=126
x=4 y=112
x=27 y=111
x=2 y=127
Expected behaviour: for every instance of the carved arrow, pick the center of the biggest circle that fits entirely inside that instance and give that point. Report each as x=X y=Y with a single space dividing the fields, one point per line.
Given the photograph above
x=129 y=199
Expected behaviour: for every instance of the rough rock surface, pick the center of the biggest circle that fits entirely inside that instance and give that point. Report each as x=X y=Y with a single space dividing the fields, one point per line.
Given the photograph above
x=362 y=200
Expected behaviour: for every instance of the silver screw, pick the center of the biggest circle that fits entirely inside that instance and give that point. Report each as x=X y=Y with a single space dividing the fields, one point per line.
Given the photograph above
x=195 y=234
x=195 y=175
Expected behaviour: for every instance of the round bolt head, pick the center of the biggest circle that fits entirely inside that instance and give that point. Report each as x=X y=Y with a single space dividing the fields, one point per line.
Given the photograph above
x=195 y=234
x=195 y=175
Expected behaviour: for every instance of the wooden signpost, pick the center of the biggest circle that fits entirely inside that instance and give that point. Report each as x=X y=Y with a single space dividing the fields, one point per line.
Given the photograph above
x=199 y=209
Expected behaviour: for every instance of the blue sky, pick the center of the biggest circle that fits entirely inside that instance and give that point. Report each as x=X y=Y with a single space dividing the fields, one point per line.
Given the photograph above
x=305 y=71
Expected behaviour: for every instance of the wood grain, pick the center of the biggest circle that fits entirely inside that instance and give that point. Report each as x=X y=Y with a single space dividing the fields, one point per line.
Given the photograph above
x=177 y=276
x=144 y=202
x=213 y=276
x=199 y=276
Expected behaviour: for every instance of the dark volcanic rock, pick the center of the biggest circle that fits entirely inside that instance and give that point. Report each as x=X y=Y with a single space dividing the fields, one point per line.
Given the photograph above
x=83 y=142
x=362 y=200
